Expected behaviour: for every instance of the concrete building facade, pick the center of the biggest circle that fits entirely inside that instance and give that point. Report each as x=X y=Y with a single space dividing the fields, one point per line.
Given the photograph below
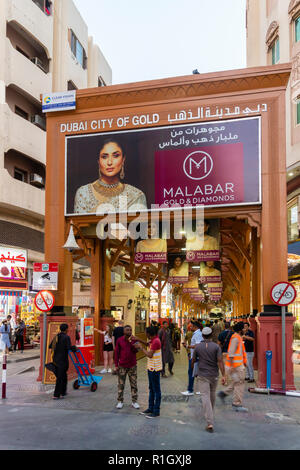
x=44 y=47
x=273 y=37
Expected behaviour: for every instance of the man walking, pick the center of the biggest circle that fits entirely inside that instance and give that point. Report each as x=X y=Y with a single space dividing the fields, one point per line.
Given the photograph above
x=166 y=348
x=154 y=366
x=61 y=345
x=196 y=339
x=125 y=364
x=216 y=330
x=224 y=338
x=248 y=338
x=208 y=359
x=236 y=361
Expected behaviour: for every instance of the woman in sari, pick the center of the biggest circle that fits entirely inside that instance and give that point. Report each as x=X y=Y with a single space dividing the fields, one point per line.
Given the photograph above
x=108 y=188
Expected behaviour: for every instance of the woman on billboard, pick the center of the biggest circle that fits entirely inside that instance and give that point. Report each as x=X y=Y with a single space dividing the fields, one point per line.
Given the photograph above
x=153 y=244
x=108 y=188
x=201 y=240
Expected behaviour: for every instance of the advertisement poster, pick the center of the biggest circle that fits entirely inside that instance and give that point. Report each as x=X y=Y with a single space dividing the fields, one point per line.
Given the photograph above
x=212 y=164
x=203 y=244
x=198 y=296
x=192 y=286
x=13 y=263
x=179 y=270
x=210 y=272
x=88 y=326
x=151 y=251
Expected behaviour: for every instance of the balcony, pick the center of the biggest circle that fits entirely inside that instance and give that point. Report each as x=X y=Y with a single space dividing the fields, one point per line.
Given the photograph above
x=25 y=74
x=34 y=145
x=18 y=196
x=33 y=20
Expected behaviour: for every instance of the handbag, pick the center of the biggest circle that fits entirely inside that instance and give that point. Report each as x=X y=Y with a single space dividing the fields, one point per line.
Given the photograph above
x=52 y=368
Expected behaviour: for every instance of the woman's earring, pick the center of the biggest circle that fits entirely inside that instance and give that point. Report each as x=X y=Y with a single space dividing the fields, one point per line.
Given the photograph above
x=100 y=174
x=122 y=173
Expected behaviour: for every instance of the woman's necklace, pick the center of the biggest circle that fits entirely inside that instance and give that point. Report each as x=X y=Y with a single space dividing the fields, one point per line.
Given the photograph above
x=108 y=190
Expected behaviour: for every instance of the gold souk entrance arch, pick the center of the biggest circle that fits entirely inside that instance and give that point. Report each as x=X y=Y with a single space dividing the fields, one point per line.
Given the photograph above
x=253 y=235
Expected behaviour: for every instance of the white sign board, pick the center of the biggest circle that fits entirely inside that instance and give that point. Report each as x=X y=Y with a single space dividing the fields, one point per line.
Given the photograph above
x=45 y=276
x=283 y=293
x=53 y=102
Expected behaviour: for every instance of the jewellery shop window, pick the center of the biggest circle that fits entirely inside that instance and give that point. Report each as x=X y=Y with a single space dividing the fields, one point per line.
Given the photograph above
x=140 y=319
x=293 y=230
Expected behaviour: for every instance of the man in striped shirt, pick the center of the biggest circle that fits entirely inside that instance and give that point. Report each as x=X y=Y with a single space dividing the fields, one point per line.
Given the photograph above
x=154 y=366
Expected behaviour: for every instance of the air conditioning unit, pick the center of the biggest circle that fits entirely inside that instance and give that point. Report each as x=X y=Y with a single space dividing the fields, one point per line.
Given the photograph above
x=39 y=121
x=38 y=63
x=37 y=180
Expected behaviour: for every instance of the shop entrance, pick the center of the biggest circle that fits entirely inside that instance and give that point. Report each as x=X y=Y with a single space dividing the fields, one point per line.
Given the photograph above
x=215 y=141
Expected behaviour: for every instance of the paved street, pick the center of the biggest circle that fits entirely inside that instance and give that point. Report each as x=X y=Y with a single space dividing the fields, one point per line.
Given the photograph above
x=30 y=419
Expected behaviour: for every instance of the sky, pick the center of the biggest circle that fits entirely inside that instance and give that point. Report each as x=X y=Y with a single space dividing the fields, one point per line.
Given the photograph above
x=153 y=39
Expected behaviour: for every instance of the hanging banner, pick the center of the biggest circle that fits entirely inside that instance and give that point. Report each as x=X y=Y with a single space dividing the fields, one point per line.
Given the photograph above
x=209 y=273
x=213 y=164
x=192 y=286
x=203 y=244
x=179 y=272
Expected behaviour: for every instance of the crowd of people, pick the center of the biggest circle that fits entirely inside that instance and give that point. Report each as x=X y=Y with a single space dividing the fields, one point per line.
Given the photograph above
x=211 y=347
x=12 y=335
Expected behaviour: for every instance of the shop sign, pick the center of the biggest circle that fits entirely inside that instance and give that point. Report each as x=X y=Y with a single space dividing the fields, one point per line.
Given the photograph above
x=13 y=264
x=213 y=164
x=64 y=101
x=45 y=276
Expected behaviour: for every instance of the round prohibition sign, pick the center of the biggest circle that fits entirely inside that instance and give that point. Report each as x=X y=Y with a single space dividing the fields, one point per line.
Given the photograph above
x=283 y=293
x=44 y=300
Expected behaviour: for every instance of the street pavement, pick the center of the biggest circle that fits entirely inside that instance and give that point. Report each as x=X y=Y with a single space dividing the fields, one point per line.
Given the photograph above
x=84 y=420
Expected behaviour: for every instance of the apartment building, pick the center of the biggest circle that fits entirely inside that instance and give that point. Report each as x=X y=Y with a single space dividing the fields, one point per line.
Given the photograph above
x=273 y=36
x=44 y=47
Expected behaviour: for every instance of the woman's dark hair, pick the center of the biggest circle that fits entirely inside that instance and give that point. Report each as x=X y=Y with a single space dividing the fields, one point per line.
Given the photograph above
x=113 y=141
x=152 y=330
x=5 y=325
x=63 y=327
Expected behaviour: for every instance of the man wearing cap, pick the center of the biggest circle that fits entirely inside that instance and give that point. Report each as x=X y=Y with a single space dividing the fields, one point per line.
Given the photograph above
x=235 y=363
x=196 y=339
x=208 y=359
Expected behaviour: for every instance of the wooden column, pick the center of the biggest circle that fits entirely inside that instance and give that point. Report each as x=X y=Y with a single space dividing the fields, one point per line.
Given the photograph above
x=274 y=210
x=96 y=293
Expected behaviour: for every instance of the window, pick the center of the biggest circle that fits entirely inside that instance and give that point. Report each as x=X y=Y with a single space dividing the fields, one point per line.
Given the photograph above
x=297 y=29
x=293 y=232
x=20 y=175
x=71 y=86
x=78 y=50
x=275 y=52
x=22 y=52
x=21 y=112
x=101 y=82
x=44 y=5
x=298 y=112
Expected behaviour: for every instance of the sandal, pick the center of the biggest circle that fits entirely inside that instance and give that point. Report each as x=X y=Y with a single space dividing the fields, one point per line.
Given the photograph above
x=209 y=428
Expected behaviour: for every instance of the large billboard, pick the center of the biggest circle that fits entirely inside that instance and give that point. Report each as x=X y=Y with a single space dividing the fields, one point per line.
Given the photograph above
x=211 y=164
